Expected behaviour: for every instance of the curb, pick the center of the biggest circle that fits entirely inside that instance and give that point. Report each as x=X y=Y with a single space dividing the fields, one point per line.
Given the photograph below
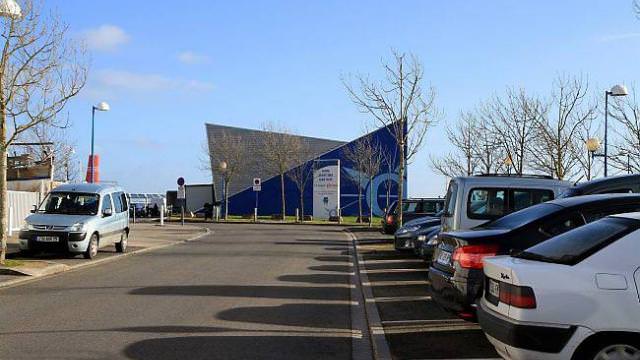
x=65 y=268
x=276 y=222
x=376 y=333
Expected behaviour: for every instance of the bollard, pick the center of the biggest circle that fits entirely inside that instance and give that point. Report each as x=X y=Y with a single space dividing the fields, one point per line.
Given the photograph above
x=297 y=215
x=339 y=216
x=162 y=215
x=255 y=214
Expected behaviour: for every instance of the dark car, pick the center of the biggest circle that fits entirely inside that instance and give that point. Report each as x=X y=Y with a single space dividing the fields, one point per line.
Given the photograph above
x=405 y=237
x=426 y=242
x=412 y=209
x=456 y=277
x=608 y=185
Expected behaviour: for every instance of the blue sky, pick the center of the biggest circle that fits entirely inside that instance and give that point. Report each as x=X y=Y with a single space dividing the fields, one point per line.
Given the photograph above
x=167 y=69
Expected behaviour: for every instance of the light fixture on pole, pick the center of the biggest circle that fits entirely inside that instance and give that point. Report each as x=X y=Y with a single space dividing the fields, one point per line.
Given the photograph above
x=10 y=9
x=616 y=90
x=103 y=106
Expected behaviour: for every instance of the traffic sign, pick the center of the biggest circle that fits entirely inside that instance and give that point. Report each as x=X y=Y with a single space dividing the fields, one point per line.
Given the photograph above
x=180 y=181
x=257 y=184
x=182 y=192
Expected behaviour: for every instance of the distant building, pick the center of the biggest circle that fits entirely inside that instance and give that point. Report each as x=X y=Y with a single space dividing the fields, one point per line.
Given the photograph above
x=242 y=198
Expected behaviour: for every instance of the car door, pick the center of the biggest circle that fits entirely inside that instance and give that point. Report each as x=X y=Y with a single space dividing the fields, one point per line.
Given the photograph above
x=108 y=222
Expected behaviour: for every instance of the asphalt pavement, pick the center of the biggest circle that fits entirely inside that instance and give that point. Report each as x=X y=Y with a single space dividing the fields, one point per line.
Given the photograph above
x=241 y=292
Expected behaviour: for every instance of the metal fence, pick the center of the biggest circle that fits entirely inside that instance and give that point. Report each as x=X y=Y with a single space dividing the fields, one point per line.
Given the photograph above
x=20 y=205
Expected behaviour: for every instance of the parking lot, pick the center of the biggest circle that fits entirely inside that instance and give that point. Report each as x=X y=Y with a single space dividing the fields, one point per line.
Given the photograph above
x=414 y=326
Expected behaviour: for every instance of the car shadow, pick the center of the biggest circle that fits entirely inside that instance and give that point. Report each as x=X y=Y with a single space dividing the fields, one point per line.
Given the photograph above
x=328 y=316
x=241 y=347
x=264 y=291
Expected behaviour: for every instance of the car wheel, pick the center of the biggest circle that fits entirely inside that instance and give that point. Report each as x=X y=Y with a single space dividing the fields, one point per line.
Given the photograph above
x=617 y=351
x=124 y=240
x=92 y=248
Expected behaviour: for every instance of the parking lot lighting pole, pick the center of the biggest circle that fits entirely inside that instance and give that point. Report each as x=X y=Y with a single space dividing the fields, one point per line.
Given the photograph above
x=616 y=90
x=103 y=106
x=223 y=170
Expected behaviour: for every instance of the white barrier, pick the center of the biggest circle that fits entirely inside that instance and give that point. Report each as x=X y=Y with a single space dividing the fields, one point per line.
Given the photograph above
x=19 y=206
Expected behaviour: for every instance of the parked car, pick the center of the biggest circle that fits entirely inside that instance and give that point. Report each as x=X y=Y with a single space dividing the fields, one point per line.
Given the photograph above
x=574 y=296
x=474 y=200
x=412 y=209
x=426 y=240
x=608 y=185
x=78 y=219
x=405 y=238
x=456 y=272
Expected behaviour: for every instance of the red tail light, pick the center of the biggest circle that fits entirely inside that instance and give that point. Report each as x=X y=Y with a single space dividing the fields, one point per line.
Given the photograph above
x=518 y=296
x=389 y=219
x=471 y=256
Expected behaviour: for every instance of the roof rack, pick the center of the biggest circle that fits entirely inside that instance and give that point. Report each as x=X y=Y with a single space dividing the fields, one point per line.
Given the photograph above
x=530 y=176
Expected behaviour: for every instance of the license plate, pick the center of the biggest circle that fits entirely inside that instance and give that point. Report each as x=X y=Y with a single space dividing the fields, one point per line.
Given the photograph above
x=444 y=258
x=48 y=239
x=494 y=288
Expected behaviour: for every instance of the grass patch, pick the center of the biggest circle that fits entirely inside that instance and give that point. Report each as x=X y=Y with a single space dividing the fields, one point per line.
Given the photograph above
x=12 y=263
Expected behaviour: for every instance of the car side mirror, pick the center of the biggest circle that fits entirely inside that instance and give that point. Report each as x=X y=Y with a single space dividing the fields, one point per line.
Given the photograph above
x=107 y=212
x=35 y=209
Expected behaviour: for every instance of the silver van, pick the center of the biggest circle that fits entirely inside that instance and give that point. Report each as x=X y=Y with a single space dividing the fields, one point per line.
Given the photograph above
x=78 y=219
x=475 y=200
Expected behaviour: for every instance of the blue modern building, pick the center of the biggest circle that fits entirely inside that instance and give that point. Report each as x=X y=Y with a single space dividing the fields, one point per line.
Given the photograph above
x=242 y=198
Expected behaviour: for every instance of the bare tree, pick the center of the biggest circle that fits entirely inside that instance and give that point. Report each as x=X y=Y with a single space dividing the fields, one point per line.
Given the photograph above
x=587 y=130
x=512 y=120
x=356 y=154
x=371 y=168
x=301 y=173
x=464 y=138
x=389 y=162
x=41 y=69
x=61 y=152
x=556 y=141
x=229 y=150
x=626 y=112
x=399 y=103
x=281 y=149
x=489 y=151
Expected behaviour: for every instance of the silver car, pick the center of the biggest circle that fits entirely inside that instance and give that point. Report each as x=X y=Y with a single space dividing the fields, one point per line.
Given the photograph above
x=78 y=219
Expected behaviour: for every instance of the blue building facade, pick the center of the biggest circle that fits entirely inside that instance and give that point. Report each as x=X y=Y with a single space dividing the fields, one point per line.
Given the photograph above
x=384 y=185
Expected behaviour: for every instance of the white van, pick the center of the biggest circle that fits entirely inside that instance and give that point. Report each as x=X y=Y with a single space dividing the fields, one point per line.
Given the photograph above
x=78 y=219
x=475 y=200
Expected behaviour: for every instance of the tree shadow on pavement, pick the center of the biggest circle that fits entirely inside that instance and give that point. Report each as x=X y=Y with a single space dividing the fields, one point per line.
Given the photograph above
x=329 y=316
x=335 y=258
x=332 y=268
x=274 y=292
x=241 y=347
x=317 y=278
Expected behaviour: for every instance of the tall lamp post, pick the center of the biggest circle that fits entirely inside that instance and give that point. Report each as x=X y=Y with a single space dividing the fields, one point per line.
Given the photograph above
x=508 y=162
x=10 y=9
x=103 y=106
x=616 y=90
x=223 y=170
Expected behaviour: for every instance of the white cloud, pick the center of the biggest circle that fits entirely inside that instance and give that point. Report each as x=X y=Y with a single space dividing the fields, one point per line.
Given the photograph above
x=143 y=82
x=192 y=58
x=105 y=38
x=617 y=37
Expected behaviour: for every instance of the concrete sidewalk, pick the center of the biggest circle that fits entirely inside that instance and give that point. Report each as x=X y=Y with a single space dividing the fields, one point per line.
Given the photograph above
x=143 y=237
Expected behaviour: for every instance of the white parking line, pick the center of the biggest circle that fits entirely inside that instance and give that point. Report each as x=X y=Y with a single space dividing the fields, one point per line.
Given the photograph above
x=399 y=299
x=390 y=271
x=396 y=283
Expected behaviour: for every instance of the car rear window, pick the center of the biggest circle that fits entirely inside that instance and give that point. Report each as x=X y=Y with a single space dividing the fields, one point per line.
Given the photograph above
x=523 y=217
x=578 y=244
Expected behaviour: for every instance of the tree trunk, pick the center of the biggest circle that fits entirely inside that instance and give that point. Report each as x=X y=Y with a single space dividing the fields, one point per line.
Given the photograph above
x=284 y=209
x=401 y=177
x=370 y=201
x=301 y=205
x=226 y=199
x=3 y=197
x=359 y=201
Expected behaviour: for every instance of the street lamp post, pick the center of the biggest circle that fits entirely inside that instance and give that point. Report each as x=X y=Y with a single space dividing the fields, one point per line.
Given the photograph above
x=10 y=9
x=616 y=90
x=103 y=106
x=508 y=162
x=223 y=170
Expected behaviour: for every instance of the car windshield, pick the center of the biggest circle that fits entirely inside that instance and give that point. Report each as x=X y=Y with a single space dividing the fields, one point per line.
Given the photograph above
x=573 y=246
x=522 y=217
x=70 y=203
